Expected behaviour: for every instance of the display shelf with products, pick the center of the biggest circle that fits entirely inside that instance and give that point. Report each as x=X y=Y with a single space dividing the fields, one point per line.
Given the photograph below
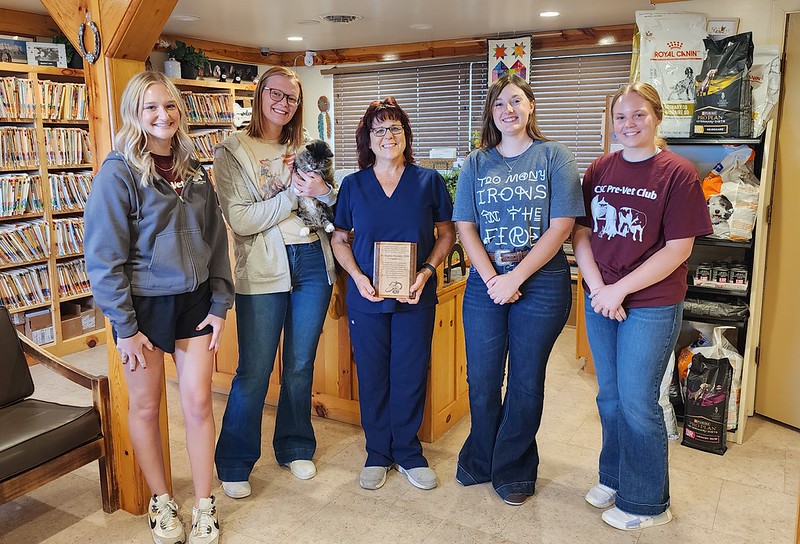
x=45 y=178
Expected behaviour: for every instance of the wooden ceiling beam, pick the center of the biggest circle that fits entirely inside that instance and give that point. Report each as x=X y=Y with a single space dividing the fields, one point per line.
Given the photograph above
x=227 y=51
x=22 y=23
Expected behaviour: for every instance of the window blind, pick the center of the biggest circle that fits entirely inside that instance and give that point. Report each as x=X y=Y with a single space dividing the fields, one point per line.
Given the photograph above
x=571 y=95
x=443 y=102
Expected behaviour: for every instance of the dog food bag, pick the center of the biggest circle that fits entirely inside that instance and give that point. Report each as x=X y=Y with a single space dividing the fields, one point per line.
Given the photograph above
x=671 y=56
x=667 y=410
x=723 y=102
x=765 y=79
x=707 y=391
x=731 y=190
x=721 y=348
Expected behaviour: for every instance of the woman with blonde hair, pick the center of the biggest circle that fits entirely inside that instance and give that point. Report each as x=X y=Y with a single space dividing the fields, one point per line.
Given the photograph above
x=157 y=258
x=283 y=282
x=634 y=273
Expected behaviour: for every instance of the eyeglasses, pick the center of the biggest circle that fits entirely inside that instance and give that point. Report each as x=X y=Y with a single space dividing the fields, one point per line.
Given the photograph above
x=277 y=95
x=381 y=131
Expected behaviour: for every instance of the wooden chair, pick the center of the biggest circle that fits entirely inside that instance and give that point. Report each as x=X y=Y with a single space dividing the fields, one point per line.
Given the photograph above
x=41 y=441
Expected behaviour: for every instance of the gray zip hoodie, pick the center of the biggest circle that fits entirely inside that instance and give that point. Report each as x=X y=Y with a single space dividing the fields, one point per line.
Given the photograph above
x=148 y=241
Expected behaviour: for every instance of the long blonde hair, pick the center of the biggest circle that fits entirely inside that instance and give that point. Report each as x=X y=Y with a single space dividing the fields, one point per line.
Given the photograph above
x=490 y=134
x=292 y=132
x=131 y=140
x=650 y=95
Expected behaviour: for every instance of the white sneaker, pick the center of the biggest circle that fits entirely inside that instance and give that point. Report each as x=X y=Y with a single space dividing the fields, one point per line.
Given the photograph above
x=303 y=469
x=631 y=522
x=205 y=525
x=237 y=490
x=373 y=477
x=162 y=517
x=601 y=496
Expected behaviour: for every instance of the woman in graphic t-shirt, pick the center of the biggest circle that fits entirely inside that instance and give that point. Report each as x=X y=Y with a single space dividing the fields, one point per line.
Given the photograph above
x=644 y=208
x=516 y=202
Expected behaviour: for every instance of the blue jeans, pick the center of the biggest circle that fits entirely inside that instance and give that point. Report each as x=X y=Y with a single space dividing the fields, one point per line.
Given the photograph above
x=392 y=352
x=501 y=446
x=300 y=313
x=630 y=359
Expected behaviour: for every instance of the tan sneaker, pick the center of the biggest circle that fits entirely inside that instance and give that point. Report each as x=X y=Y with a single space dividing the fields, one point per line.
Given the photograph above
x=205 y=525
x=162 y=517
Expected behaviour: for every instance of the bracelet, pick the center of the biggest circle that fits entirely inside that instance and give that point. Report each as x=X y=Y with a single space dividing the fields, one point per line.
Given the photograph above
x=490 y=279
x=430 y=267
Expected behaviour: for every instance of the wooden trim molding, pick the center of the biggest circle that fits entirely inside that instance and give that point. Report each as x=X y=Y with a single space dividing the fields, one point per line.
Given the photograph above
x=22 y=23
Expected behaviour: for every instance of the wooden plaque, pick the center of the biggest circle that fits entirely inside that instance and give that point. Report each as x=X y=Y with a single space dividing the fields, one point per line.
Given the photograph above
x=395 y=268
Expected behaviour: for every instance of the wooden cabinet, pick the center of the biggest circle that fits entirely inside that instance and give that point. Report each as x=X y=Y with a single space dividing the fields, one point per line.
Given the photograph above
x=335 y=386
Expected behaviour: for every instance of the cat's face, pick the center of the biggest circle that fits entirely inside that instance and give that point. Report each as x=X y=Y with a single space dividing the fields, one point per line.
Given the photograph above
x=314 y=157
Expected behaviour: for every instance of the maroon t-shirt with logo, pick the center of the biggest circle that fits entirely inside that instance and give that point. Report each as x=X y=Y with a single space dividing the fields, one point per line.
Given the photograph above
x=633 y=209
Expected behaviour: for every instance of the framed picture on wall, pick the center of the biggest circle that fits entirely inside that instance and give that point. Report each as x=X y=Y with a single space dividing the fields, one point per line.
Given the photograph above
x=46 y=54
x=13 y=51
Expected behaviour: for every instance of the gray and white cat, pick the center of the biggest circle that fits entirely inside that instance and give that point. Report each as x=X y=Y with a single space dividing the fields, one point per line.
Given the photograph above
x=317 y=157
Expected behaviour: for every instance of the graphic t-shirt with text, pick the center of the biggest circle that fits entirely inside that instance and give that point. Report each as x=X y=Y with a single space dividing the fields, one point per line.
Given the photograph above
x=633 y=209
x=513 y=199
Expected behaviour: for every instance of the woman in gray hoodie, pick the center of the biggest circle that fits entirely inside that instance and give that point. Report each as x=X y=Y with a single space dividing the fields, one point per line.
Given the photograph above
x=157 y=258
x=283 y=282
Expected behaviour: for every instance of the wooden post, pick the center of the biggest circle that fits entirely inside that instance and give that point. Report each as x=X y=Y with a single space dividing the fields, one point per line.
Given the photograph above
x=128 y=30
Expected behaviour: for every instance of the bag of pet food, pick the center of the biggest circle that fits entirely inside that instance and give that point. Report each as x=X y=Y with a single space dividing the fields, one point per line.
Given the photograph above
x=707 y=391
x=721 y=348
x=723 y=97
x=670 y=420
x=731 y=190
x=671 y=56
x=765 y=79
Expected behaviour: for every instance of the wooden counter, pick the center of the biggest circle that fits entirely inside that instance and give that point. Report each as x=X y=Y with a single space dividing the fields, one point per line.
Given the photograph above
x=335 y=386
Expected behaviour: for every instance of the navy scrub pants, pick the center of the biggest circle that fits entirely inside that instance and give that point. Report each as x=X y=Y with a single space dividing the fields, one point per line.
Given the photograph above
x=392 y=353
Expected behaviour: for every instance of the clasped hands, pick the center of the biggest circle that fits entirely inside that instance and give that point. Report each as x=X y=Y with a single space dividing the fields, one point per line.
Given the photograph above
x=503 y=288
x=607 y=300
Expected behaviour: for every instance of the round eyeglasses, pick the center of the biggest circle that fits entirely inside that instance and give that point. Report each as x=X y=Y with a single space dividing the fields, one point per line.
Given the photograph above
x=277 y=95
x=380 y=132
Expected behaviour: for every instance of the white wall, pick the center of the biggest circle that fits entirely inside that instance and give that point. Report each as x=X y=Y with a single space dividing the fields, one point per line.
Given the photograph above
x=764 y=18
x=315 y=85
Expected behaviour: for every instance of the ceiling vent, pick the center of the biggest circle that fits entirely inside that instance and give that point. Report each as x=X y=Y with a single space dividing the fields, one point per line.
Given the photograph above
x=341 y=19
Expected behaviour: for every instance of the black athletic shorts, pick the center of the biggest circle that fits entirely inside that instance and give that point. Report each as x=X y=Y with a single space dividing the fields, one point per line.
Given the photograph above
x=168 y=318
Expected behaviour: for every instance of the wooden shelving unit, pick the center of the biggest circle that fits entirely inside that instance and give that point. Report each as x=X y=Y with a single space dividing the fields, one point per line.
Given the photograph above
x=60 y=345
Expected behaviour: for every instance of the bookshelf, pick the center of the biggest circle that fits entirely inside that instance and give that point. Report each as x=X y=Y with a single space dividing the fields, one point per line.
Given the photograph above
x=210 y=108
x=45 y=178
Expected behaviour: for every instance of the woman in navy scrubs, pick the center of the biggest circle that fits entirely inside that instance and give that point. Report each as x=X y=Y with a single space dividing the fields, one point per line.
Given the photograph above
x=391 y=200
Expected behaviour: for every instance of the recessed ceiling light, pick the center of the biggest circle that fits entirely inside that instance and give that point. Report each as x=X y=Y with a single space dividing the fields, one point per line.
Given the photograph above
x=549 y=14
x=308 y=22
x=295 y=38
x=186 y=18
x=420 y=26
x=607 y=40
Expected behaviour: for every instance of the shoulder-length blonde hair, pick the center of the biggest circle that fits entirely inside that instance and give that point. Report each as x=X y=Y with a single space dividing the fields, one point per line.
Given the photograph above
x=490 y=134
x=292 y=132
x=131 y=140
x=650 y=95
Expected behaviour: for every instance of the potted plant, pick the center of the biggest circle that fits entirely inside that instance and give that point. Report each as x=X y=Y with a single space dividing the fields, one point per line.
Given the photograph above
x=191 y=59
x=74 y=60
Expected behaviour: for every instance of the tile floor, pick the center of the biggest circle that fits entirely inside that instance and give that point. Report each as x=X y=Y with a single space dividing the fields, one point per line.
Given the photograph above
x=747 y=495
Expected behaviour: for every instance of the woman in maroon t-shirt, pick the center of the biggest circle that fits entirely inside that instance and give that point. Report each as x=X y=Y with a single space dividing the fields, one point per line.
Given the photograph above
x=644 y=209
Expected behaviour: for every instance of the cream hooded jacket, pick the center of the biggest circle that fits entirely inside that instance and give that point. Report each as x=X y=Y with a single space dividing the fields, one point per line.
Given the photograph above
x=262 y=265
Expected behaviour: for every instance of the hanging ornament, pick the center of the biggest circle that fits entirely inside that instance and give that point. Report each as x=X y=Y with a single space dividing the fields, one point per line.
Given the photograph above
x=90 y=56
x=324 y=119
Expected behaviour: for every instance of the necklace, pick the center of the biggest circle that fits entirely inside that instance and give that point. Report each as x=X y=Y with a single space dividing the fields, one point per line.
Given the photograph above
x=510 y=166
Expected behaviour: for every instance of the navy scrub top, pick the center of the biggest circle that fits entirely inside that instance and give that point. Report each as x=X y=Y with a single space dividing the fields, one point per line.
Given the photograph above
x=419 y=200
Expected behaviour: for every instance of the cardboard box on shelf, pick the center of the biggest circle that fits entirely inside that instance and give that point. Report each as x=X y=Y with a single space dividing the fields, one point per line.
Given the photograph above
x=71 y=320
x=18 y=320
x=39 y=326
x=89 y=319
